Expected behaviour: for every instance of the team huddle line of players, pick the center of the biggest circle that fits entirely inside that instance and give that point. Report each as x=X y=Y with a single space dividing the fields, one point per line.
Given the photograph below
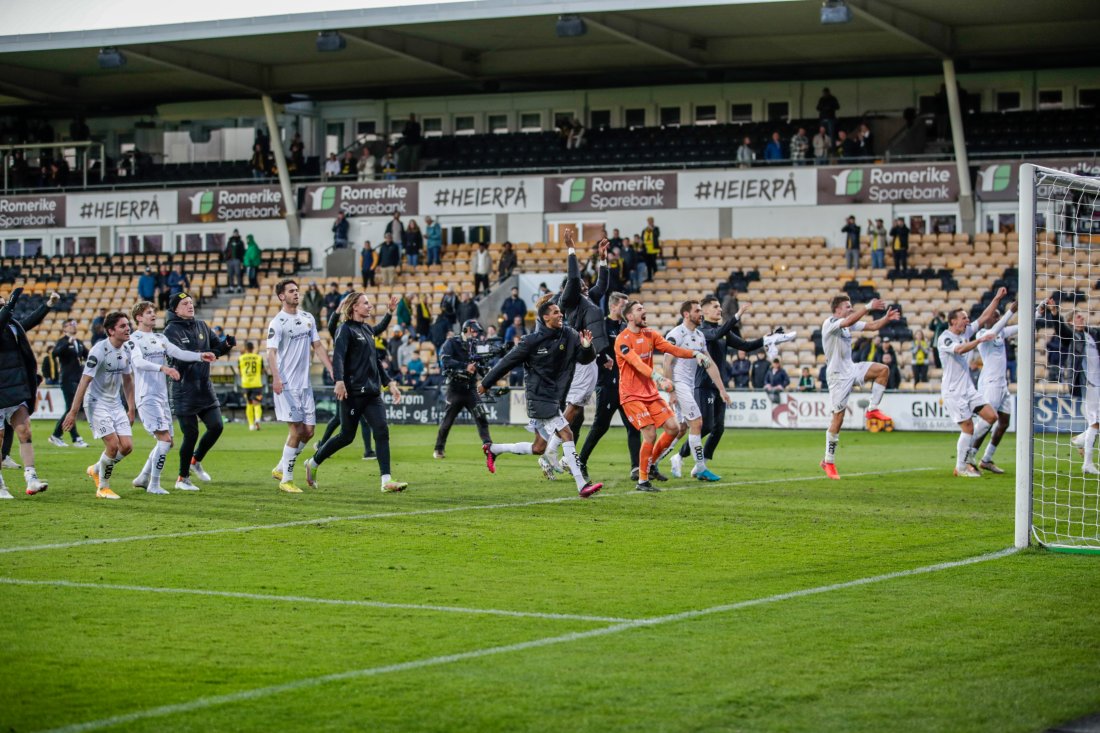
x=588 y=345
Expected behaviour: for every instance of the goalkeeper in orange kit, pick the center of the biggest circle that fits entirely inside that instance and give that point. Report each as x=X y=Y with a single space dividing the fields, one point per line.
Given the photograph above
x=638 y=384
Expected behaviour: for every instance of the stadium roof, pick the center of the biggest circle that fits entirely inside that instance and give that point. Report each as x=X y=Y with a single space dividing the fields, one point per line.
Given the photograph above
x=418 y=47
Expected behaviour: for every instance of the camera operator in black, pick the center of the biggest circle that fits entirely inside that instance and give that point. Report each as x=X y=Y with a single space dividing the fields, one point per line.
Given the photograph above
x=359 y=382
x=458 y=364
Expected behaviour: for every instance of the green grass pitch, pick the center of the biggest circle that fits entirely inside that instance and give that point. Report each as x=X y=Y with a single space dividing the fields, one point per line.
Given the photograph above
x=502 y=603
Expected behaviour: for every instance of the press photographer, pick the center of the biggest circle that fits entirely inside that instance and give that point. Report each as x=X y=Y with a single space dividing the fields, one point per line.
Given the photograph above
x=464 y=360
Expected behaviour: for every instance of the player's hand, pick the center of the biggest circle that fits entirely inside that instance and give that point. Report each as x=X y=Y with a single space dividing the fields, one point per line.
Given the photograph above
x=893 y=314
x=480 y=389
x=608 y=363
x=277 y=386
x=877 y=304
x=1001 y=293
x=568 y=238
x=586 y=338
x=745 y=308
x=471 y=368
x=15 y=294
x=231 y=341
x=702 y=359
x=602 y=247
x=53 y=300
x=339 y=391
x=68 y=422
x=727 y=398
x=173 y=373
x=395 y=392
x=986 y=337
x=131 y=415
x=393 y=304
x=208 y=356
x=666 y=386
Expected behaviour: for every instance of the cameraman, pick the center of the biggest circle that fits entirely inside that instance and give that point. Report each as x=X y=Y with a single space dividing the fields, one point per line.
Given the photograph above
x=459 y=362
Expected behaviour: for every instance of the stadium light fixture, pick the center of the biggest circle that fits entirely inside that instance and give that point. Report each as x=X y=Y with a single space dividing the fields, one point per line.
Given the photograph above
x=834 y=12
x=111 y=58
x=570 y=26
x=329 y=41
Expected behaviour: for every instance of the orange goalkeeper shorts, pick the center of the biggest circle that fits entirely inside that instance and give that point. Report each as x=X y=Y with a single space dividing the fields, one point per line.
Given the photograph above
x=655 y=412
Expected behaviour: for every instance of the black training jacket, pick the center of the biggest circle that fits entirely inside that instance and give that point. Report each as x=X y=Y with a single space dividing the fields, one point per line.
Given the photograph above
x=355 y=360
x=719 y=336
x=548 y=358
x=194 y=392
x=18 y=367
x=584 y=311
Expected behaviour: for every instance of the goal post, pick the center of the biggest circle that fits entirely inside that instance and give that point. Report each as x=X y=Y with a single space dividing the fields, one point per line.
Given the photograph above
x=1057 y=502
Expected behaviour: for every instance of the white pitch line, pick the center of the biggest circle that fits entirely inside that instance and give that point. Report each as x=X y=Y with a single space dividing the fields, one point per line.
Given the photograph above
x=421 y=512
x=261 y=692
x=308 y=599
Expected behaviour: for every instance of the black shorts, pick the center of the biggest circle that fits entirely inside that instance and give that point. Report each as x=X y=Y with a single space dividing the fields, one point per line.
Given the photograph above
x=254 y=395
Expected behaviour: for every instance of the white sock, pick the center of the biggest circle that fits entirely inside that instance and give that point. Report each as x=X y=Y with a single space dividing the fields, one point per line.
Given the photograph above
x=551 y=451
x=1090 y=443
x=386 y=478
x=574 y=462
x=106 y=468
x=29 y=473
x=830 y=446
x=695 y=442
x=981 y=427
x=290 y=455
x=520 y=449
x=990 y=449
x=962 y=448
x=877 y=390
x=147 y=469
x=156 y=460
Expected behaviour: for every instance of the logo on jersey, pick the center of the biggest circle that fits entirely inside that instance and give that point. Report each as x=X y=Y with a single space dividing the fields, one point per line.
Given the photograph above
x=624 y=349
x=92 y=362
x=271 y=333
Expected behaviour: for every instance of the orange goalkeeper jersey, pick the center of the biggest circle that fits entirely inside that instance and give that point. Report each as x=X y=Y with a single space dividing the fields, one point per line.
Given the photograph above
x=634 y=354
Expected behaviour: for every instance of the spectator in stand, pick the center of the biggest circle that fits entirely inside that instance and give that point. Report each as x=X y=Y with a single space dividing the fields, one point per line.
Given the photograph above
x=403 y=315
x=395 y=342
x=877 y=232
x=332 y=167
x=745 y=154
x=776 y=381
x=422 y=316
x=411 y=140
x=441 y=327
x=163 y=291
x=99 y=333
x=822 y=380
x=481 y=264
x=615 y=270
x=340 y=229
x=349 y=167
x=513 y=307
x=851 y=243
x=177 y=281
x=758 y=371
x=864 y=142
x=432 y=377
x=806 y=381
x=730 y=306
x=397 y=229
x=823 y=146
x=651 y=245
x=615 y=241
x=434 y=237
x=448 y=307
x=846 y=147
x=800 y=145
x=258 y=163
x=407 y=350
x=297 y=161
x=893 y=378
x=467 y=309
x=773 y=152
x=515 y=328
x=416 y=367
x=366 y=165
x=899 y=247
x=332 y=300
x=633 y=265
x=937 y=327
x=508 y=262
x=739 y=371
x=922 y=353
x=147 y=285
x=389 y=259
x=252 y=261
x=413 y=243
x=515 y=377
x=368 y=261
x=234 y=258
x=389 y=165
x=827 y=107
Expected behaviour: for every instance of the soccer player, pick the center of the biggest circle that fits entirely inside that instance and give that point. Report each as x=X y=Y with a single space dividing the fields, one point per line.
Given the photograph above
x=993 y=384
x=359 y=383
x=251 y=367
x=638 y=383
x=961 y=398
x=548 y=356
x=19 y=385
x=149 y=354
x=843 y=374
x=1081 y=339
x=107 y=371
x=291 y=335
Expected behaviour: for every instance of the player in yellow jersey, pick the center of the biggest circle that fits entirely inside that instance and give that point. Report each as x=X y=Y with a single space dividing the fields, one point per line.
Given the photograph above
x=251 y=367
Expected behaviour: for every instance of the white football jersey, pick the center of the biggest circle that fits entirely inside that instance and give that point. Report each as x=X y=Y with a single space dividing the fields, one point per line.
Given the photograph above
x=292 y=337
x=106 y=365
x=148 y=353
x=956 y=367
x=995 y=358
x=837 y=344
x=683 y=370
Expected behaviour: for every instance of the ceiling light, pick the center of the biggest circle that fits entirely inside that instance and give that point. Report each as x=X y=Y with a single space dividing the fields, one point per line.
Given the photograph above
x=328 y=41
x=570 y=26
x=835 y=11
x=111 y=58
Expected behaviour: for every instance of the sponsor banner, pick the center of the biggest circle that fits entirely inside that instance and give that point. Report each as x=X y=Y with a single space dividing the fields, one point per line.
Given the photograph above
x=798 y=410
x=121 y=208
x=610 y=193
x=244 y=203
x=744 y=188
x=1059 y=414
x=31 y=212
x=1000 y=180
x=423 y=406
x=482 y=196
x=892 y=184
x=384 y=198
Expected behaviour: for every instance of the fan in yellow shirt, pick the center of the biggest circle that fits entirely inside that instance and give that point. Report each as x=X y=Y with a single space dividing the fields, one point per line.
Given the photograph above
x=251 y=366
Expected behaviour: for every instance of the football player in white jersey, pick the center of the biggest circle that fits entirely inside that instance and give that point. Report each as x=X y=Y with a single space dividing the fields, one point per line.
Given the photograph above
x=961 y=398
x=993 y=384
x=291 y=336
x=843 y=374
x=148 y=356
x=688 y=335
x=107 y=372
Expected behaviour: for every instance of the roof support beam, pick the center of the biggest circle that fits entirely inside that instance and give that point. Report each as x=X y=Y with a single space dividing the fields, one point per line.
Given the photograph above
x=662 y=41
x=450 y=60
x=36 y=85
x=252 y=78
x=932 y=35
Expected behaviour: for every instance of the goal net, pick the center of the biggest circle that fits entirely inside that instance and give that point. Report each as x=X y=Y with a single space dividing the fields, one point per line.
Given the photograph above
x=1058 y=487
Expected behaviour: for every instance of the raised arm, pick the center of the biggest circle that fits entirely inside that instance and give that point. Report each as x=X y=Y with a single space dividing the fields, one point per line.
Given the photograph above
x=9 y=307
x=176 y=353
x=891 y=315
x=659 y=344
x=990 y=312
x=859 y=312
x=603 y=278
x=571 y=293
x=969 y=346
x=516 y=356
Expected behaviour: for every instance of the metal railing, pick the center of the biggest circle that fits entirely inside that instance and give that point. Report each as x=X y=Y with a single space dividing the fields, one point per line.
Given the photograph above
x=7 y=154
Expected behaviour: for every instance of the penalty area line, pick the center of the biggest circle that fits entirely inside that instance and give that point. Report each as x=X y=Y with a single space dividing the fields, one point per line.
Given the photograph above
x=203 y=703
x=421 y=512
